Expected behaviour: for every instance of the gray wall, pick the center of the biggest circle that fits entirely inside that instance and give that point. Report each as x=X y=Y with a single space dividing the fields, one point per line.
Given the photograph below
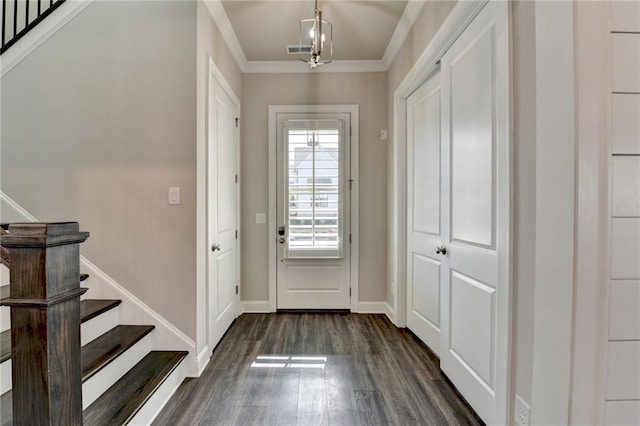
x=365 y=89
x=97 y=123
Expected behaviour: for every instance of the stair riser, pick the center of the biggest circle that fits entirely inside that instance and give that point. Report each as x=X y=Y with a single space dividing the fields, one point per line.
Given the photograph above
x=5 y=318
x=4 y=275
x=99 y=325
x=154 y=404
x=105 y=378
x=5 y=376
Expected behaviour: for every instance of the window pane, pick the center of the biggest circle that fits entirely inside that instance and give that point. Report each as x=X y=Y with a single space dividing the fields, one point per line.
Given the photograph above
x=314 y=190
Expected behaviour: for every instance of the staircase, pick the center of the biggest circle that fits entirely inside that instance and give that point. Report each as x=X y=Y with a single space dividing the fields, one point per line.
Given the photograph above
x=124 y=380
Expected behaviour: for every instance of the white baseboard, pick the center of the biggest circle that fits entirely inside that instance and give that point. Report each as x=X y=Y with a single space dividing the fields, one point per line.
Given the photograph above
x=203 y=359
x=390 y=313
x=132 y=310
x=371 y=307
x=254 y=306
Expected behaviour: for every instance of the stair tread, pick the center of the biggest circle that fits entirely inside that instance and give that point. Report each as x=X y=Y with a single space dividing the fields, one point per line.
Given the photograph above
x=89 y=309
x=104 y=349
x=123 y=400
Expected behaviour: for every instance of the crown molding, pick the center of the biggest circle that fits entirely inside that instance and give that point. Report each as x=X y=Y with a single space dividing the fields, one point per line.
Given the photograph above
x=224 y=26
x=406 y=21
x=408 y=18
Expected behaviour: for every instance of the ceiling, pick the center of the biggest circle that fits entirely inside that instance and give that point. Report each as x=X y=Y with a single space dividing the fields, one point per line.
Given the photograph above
x=366 y=33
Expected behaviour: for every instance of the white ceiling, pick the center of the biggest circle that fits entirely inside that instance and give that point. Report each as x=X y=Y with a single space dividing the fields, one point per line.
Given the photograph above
x=366 y=33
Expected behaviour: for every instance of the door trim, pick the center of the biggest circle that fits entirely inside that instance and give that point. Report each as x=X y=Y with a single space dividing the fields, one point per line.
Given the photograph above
x=460 y=17
x=274 y=110
x=204 y=347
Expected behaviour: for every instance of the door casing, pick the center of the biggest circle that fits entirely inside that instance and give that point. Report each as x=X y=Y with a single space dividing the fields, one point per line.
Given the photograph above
x=274 y=110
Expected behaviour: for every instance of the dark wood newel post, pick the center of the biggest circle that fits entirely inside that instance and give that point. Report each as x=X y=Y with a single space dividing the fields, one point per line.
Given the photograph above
x=45 y=322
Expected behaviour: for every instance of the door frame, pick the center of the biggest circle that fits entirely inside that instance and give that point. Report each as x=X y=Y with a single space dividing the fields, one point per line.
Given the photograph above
x=274 y=110
x=204 y=346
x=458 y=20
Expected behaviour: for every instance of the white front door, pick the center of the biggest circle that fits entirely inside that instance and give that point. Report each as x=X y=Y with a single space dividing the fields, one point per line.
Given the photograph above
x=222 y=146
x=424 y=224
x=313 y=202
x=474 y=351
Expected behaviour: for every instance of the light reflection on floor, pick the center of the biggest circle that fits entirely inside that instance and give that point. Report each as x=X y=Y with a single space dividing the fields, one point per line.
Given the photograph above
x=291 y=362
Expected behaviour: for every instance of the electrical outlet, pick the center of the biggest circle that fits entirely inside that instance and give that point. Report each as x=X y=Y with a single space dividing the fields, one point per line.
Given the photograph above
x=521 y=414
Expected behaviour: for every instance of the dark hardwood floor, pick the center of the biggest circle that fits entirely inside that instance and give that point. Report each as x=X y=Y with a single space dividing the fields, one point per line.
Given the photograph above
x=318 y=369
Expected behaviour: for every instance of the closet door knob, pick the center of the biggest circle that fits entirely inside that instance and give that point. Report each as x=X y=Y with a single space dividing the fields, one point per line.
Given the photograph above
x=441 y=250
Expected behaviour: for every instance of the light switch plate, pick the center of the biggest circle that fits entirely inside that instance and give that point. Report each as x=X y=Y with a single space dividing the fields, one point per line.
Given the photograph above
x=261 y=218
x=174 y=195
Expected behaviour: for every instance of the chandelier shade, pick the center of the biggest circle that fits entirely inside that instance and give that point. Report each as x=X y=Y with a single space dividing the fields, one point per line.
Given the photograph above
x=318 y=34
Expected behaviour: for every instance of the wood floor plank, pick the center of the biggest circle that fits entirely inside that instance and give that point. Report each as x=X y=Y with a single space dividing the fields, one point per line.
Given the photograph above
x=341 y=402
x=373 y=373
x=312 y=398
x=371 y=407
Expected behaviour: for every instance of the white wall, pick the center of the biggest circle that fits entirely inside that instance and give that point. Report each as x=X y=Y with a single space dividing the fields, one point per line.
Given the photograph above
x=97 y=123
x=368 y=90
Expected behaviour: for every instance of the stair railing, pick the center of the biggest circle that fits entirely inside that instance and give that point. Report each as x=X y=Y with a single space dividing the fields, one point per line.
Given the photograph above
x=21 y=16
x=45 y=322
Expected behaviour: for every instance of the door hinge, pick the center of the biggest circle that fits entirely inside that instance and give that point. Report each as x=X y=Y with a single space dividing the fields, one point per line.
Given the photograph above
x=349 y=291
x=350 y=184
x=236 y=178
x=350 y=131
x=349 y=238
x=236 y=234
x=237 y=121
x=236 y=289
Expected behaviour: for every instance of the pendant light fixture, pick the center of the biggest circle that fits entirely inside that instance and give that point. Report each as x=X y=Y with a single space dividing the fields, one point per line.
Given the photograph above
x=318 y=34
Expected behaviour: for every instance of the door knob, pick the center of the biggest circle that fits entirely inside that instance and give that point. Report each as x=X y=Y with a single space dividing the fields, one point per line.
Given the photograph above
x=282 y=240
x=441 y=250
x=215 y=247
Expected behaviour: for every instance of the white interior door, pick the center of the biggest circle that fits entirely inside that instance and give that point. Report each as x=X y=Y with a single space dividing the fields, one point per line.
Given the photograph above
x=423 y=212
x=474 y=350
x=313 y=202
x=222 y=211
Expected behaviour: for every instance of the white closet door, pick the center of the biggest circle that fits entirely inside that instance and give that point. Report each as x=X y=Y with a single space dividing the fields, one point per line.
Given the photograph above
x=423 y=212
x=476 y=214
